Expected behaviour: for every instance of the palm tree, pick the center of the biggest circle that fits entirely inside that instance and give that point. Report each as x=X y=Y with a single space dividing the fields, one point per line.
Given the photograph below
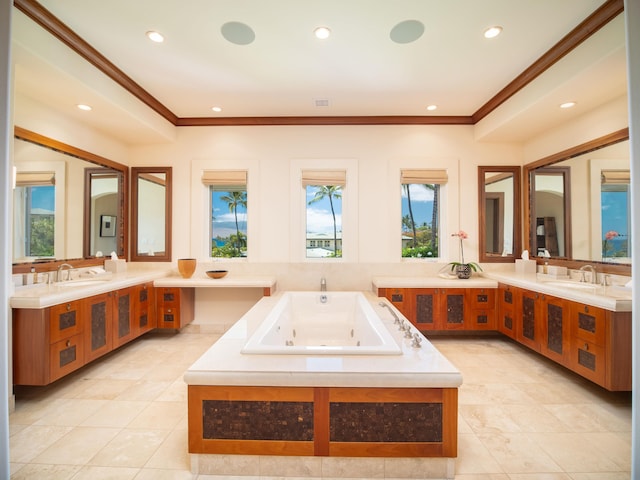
x=330 y=192
x=405 y=186
x=435 y=187
x=235 y=200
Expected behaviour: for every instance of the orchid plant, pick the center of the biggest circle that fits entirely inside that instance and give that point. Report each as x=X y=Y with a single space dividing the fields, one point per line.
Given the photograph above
x=462 y=235
x=610 y=235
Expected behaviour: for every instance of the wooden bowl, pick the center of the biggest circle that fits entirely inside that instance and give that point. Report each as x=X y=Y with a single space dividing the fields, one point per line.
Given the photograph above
x=217 y=273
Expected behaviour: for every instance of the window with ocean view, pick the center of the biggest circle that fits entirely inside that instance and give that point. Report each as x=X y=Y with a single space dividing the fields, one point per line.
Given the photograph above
x=420 y=192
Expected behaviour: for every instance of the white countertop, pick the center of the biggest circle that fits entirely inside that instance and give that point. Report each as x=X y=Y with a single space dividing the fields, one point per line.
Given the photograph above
x=231 y=280
x=46 y=295
x=223 y=364
x=616 y=298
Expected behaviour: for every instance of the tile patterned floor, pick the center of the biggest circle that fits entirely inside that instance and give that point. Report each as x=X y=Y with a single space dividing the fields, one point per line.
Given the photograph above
x=124 y=417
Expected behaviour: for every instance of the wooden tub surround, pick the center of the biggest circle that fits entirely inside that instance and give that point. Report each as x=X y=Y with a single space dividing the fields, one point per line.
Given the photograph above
x=249 y=412
x=323 y=421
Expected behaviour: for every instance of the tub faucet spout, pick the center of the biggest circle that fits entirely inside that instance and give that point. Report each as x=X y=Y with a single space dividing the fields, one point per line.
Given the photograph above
x=323 y=284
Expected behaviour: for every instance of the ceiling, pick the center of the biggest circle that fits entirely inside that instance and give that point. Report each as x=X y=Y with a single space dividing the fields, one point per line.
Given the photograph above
x=358 y=74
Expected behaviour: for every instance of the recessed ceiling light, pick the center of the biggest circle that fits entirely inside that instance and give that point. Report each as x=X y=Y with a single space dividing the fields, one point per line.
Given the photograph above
x=84 y=107
x=431 y=108
x=216 y=109
x=407 y=31
x=155 y=36
x=567 y=104
x=322 y=33
x=492 y=32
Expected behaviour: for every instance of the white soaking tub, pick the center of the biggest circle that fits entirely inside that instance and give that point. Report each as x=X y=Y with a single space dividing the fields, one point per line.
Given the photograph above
x=322 y=323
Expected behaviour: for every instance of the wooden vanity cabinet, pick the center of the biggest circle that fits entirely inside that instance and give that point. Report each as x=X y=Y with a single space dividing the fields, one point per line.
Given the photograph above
x=175 y=306
x=529 y=322
x=556 y=331
x=506 y=306
x=433 y=309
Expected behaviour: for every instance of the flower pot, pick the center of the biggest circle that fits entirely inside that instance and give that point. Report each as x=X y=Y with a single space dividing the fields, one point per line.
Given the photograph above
x=186 y=267
x=463 y=271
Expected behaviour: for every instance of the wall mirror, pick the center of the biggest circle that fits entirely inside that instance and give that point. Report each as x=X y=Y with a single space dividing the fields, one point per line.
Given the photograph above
x=103 y=189
x=151 y=214
x=551 y=201
x=49 y=217
x=499 y=213
x=596 y=228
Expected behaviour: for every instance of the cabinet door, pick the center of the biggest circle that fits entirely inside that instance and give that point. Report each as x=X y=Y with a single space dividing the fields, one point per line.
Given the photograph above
x=452 y=310
x=123 y=328
x=65 y=356
x=98 y=314
x=506 y=310
x=144 y=311
x=425 y=308
x=588 y=336
x=64 y=321
x=556 y=331
x=528 y=329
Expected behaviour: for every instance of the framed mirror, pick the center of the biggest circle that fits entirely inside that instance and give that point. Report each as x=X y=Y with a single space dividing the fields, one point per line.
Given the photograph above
x=151 y=214
x=598 y=224
x=550 y=227
x=499 y=214
x=49 y=217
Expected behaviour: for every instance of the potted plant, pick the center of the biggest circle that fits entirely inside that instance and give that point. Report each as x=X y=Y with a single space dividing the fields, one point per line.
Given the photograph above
x=462 y=268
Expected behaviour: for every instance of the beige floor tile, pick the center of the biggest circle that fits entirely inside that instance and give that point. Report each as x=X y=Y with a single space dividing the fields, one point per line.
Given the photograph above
x=492 y=394
x=77 y=447
x=33 y=440
x=483 y=476
x=116 y=413
x=474 y=457
x=103 y=389
x=130 y=448
x=173 y=453
x=71 y=411
x=160 y=415
x=488 y=418
x=586 y=452
x=160 y=474
x=145 y=391
x=46 y=472
x=106 y=473
x=518 y=453
x=600 y=476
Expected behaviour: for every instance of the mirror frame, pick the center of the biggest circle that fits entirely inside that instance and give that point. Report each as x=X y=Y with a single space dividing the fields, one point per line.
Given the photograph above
x=136 y=173
x=517 y=217
x=600 y=142
x=47 y=142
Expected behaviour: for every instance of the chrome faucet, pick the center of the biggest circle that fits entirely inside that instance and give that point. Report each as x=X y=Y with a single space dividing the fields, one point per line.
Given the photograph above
x=61 y=269
x=591 y=269
x=323 y=285
x=397 y=320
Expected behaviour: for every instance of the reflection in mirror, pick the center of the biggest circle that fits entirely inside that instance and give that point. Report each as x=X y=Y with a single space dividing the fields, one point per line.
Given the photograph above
x=48 y=214
x=151 y=214
x=551 y=202
x=598 y=227
x=102 y=187
x=499 y=199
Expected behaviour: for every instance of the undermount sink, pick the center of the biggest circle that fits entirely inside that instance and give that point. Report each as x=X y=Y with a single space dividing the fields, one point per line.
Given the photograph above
x=574 y=285
x=82 y=283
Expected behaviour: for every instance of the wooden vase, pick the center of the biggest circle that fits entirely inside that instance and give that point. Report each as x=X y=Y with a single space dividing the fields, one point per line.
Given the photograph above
x=186 y=267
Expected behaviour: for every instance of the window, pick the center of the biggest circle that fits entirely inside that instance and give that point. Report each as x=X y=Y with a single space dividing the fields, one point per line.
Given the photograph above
x=420 y=191
x=615 y=201
x=323 y=194
x=228 y=212
x=34 y=214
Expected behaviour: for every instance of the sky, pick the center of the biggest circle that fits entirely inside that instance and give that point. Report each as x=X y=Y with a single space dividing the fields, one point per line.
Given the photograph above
x=421 y=204
x=615 y=212
x=224 y=223
x=319 y=218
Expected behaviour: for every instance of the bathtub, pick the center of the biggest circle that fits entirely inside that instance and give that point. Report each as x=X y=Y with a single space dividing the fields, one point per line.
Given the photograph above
x=322 y=323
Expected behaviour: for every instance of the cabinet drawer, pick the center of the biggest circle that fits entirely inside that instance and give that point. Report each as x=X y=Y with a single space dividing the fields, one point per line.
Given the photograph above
x=588 y=360
x=65 y=356
x=588 y=323
x=64 y=321
x=482 y=298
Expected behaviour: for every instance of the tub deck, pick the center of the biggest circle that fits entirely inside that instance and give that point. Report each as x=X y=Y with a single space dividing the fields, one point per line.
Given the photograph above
x=303 y=406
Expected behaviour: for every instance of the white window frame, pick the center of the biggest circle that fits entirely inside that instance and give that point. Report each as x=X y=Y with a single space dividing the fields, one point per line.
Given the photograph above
x=298 y=252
